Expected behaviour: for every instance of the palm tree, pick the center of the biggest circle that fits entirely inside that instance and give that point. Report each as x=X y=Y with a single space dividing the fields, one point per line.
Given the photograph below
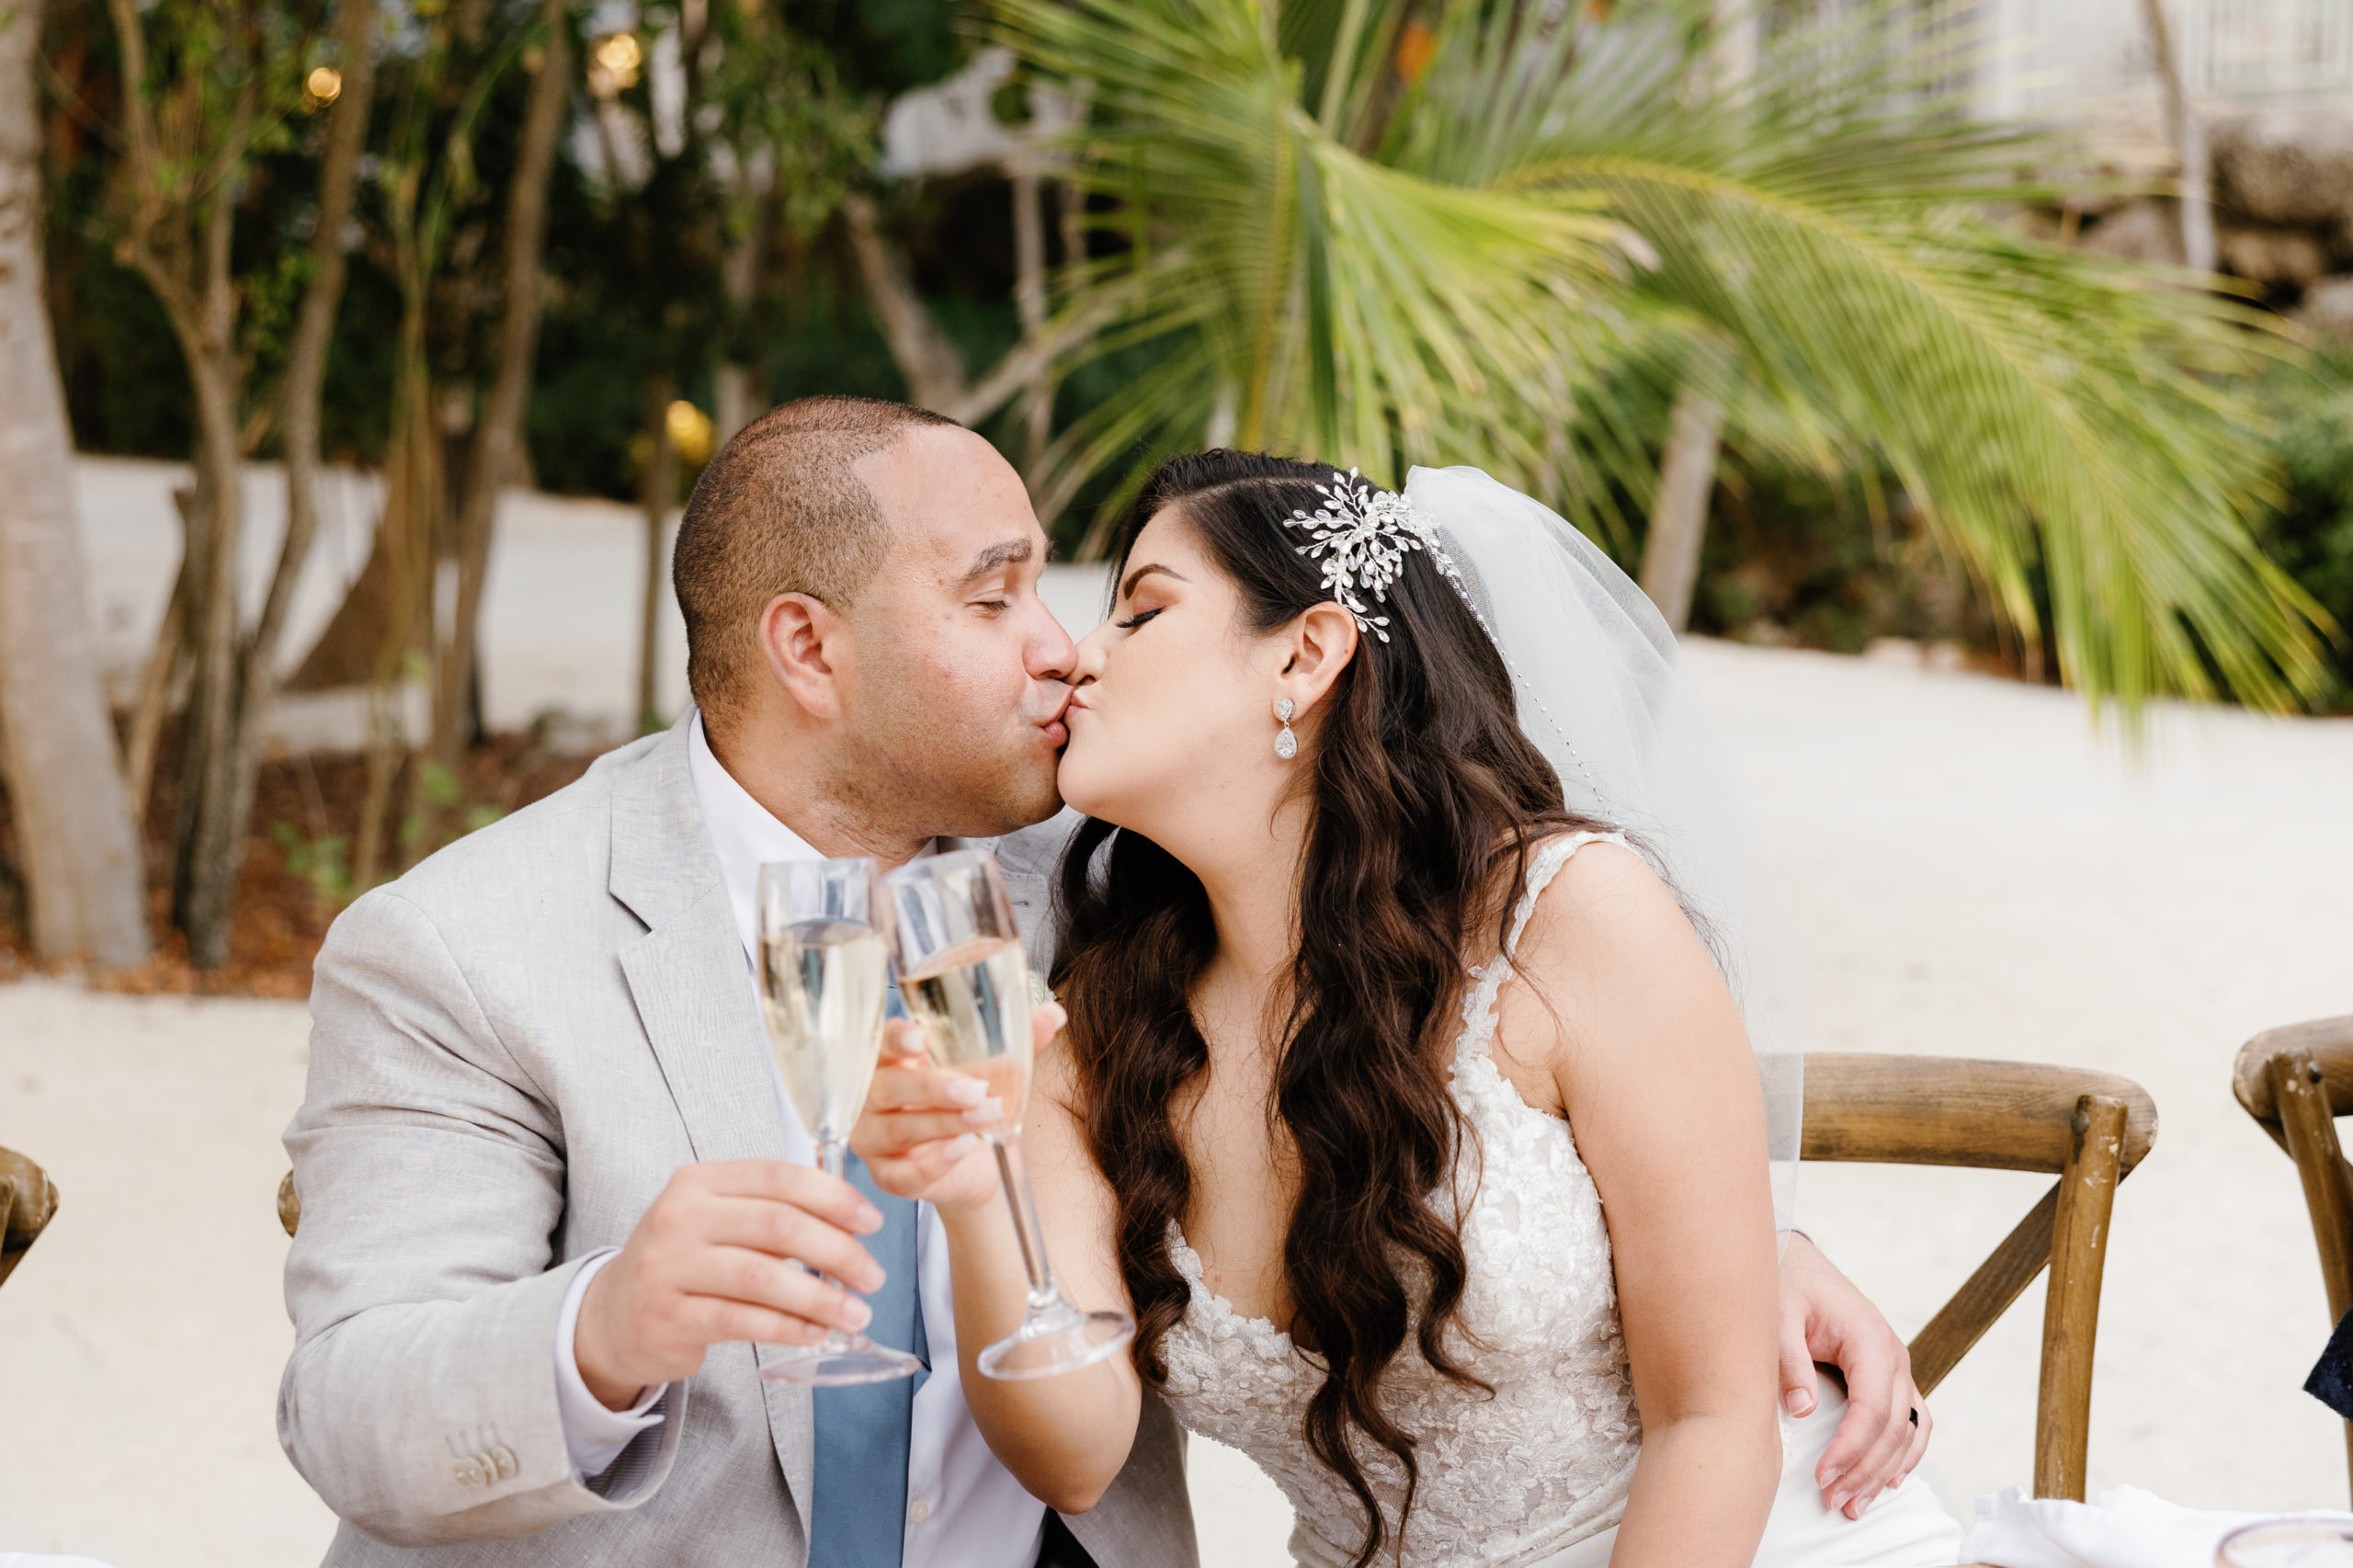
x=1508 y=237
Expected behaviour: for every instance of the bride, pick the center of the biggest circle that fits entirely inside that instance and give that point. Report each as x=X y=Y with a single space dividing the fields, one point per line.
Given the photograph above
x=1400 y=1099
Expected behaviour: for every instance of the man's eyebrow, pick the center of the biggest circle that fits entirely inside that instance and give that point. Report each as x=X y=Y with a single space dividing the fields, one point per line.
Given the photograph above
x=1128 y=588
x=1011 y=552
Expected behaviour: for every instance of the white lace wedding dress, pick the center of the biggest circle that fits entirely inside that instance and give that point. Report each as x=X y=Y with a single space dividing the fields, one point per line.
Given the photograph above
x=1538 y=1474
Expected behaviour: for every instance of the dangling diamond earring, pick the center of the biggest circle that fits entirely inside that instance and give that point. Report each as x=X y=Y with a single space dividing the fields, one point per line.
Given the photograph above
x=1285 y=743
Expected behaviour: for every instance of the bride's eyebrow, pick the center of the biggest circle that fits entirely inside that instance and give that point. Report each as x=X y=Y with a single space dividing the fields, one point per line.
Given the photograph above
x=1128 y=588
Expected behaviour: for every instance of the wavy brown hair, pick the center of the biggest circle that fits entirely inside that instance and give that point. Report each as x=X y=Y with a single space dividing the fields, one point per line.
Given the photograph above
x=1425 y=797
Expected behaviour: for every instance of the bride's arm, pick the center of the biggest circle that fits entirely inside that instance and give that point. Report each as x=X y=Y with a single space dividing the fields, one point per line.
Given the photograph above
x=1661 y=1086
x=1065 y=1438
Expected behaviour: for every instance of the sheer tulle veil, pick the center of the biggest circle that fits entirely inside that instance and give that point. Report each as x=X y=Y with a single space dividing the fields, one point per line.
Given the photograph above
x=1603 y=693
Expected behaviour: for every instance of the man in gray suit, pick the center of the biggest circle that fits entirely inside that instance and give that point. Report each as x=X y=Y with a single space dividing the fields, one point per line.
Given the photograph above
x=554 y=1200
x=549 y=1197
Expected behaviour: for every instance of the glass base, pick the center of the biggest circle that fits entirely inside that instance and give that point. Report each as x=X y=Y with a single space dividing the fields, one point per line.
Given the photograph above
x=1060 y=1339
x=839 y=1359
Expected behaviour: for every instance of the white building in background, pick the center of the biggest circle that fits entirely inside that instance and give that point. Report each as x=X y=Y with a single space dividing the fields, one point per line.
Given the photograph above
x=2068 y=59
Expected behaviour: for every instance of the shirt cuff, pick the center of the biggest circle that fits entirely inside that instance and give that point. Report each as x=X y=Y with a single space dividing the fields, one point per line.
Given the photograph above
x=594 y=1435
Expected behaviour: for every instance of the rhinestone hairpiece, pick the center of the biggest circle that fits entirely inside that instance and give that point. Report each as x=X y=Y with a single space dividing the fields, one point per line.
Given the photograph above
x=1362 y=535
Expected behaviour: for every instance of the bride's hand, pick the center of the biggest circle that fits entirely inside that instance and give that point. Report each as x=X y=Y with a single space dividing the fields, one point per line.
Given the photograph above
x=920 y=1132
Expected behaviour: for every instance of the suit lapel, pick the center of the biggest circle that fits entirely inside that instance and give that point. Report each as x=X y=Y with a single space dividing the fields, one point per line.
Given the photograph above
x=696 y=1001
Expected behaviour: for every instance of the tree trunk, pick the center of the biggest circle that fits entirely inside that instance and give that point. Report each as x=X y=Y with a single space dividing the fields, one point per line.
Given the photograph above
x=79 y=851
x=933 y=368
x=499 y=439
x=2189 y=142
x=1678 y=523
x=1030 y=298
x=209 y=837
x=405 y=534
x=656 y=488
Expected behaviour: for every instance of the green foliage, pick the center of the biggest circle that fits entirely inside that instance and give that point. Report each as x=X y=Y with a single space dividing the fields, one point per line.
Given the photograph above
x=2309 y=530
x=1459 y=266
x=324 y=862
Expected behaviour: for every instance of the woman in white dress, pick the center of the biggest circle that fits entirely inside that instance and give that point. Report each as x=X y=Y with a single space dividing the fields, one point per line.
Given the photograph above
x=1401 y=1103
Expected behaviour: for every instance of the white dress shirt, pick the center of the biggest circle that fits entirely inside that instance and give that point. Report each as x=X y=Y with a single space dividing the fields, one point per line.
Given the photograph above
x=964 y=1509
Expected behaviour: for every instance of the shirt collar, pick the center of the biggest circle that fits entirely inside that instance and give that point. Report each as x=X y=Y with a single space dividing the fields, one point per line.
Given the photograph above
x=745 y=835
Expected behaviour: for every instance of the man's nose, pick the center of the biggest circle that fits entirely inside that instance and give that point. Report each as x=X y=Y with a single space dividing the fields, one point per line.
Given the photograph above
x=1053 y=655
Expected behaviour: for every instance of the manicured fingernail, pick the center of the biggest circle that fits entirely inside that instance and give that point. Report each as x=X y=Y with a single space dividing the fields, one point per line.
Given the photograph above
x=986 y=1112
x=1798 y=1401
x=856 y=1313
x=1055 y=1011
x=868 y=1217
x=962 y=1144
x=966 y=1091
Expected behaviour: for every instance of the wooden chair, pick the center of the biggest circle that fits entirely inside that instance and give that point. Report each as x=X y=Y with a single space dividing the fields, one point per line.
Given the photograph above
x=2088 y=1129
x=28 y=1202
x=2296 y=1082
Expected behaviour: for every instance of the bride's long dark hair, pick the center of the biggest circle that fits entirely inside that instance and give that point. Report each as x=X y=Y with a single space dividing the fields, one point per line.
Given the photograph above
x=1424 y=798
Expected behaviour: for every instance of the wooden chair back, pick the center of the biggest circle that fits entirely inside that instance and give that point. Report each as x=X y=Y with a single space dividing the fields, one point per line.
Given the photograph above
x=2088 y=1129
x=28 y=1202
x=2296 y=1082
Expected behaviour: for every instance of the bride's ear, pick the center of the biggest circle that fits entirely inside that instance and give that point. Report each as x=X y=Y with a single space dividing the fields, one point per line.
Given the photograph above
x=1323 y=641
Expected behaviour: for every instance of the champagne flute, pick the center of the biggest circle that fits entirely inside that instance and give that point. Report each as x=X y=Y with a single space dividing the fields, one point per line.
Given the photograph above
x=2321 y=1541
x=964 y=978
x=824 y=977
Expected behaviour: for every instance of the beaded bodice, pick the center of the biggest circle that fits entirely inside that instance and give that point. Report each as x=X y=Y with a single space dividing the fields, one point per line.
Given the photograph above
x=1505 y=1480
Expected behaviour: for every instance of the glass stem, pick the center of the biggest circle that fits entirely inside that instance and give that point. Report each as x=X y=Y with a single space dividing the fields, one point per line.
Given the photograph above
x=1042 y=1290
x=834 y=1160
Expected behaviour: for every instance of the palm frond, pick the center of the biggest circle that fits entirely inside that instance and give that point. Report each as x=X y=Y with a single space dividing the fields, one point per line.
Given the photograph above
x=1472 y=266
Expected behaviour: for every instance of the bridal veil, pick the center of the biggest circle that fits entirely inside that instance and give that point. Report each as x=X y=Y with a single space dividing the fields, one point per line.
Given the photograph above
x=1603 y=693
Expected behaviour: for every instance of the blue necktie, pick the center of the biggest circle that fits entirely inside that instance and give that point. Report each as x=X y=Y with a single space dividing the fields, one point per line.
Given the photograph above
x=858 y=1513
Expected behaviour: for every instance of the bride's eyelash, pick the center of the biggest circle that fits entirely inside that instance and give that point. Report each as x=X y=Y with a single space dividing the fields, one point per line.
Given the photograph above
x=1135 y=621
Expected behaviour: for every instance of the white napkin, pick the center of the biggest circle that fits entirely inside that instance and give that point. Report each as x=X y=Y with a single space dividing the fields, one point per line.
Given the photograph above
x=2122 y=1527
x=35 y=1560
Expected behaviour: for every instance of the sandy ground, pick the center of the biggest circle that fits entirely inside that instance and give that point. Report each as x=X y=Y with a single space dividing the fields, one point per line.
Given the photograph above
x=1975 y=869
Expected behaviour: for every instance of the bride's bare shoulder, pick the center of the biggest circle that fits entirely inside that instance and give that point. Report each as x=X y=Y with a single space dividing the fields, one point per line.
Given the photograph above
x=1607 y=927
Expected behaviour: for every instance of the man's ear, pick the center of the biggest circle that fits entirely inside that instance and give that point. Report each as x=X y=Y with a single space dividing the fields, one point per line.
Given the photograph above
x=805 y=642
x=1322 y=641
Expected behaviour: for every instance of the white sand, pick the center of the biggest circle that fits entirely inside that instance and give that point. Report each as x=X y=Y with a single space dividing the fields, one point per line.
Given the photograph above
x=1977 y=874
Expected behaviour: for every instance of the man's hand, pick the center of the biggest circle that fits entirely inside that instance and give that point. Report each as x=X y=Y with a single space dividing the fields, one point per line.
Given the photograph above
x=1825 y=1318
x=717 y=1259
x=920 y=1134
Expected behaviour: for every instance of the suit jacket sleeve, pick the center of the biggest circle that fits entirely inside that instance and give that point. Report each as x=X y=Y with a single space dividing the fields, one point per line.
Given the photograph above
x=420 y=1399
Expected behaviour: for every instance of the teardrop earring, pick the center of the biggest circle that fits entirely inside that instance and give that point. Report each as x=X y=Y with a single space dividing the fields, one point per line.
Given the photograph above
x=1285 y=743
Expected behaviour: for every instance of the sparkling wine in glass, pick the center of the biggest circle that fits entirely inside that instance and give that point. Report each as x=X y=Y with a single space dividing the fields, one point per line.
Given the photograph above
x=824 y=980
x=964 y=977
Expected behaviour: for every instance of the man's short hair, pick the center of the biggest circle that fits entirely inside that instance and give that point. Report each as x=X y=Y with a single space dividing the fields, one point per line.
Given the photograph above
x=779 y=510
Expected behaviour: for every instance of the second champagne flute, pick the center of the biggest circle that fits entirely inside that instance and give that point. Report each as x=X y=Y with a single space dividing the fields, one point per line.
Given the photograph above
x=825 y=978
x=964 y=978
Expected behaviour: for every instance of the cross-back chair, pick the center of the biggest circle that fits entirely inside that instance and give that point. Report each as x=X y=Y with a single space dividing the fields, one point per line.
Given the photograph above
x=2296 y=1082
x=2088 y=1129
x=28 y=1200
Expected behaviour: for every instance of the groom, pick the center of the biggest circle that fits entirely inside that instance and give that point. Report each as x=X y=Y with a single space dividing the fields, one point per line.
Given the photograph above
x=554 y=1196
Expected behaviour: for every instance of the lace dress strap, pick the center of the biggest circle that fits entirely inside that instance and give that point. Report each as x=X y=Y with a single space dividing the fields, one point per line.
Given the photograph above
x=1479 y=1006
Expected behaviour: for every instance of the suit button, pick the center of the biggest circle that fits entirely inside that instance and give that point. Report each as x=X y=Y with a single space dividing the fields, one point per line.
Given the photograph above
x=502 y=1462
x=467 y=1472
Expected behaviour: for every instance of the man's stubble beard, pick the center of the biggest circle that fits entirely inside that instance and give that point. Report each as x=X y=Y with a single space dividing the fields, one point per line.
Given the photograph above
x=911 y=775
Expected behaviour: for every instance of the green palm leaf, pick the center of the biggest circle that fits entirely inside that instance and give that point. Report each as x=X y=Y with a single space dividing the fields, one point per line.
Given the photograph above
x=1462 y=268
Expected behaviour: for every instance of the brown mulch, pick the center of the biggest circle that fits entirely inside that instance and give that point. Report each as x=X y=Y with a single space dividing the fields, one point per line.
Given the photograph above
x=288 y=892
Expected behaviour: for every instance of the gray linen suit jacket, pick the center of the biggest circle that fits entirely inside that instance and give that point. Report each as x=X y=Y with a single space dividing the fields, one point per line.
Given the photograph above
x=512 y=1047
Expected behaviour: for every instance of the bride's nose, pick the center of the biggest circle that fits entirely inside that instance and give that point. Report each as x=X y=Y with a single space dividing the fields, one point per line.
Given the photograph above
x=1088 y=664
